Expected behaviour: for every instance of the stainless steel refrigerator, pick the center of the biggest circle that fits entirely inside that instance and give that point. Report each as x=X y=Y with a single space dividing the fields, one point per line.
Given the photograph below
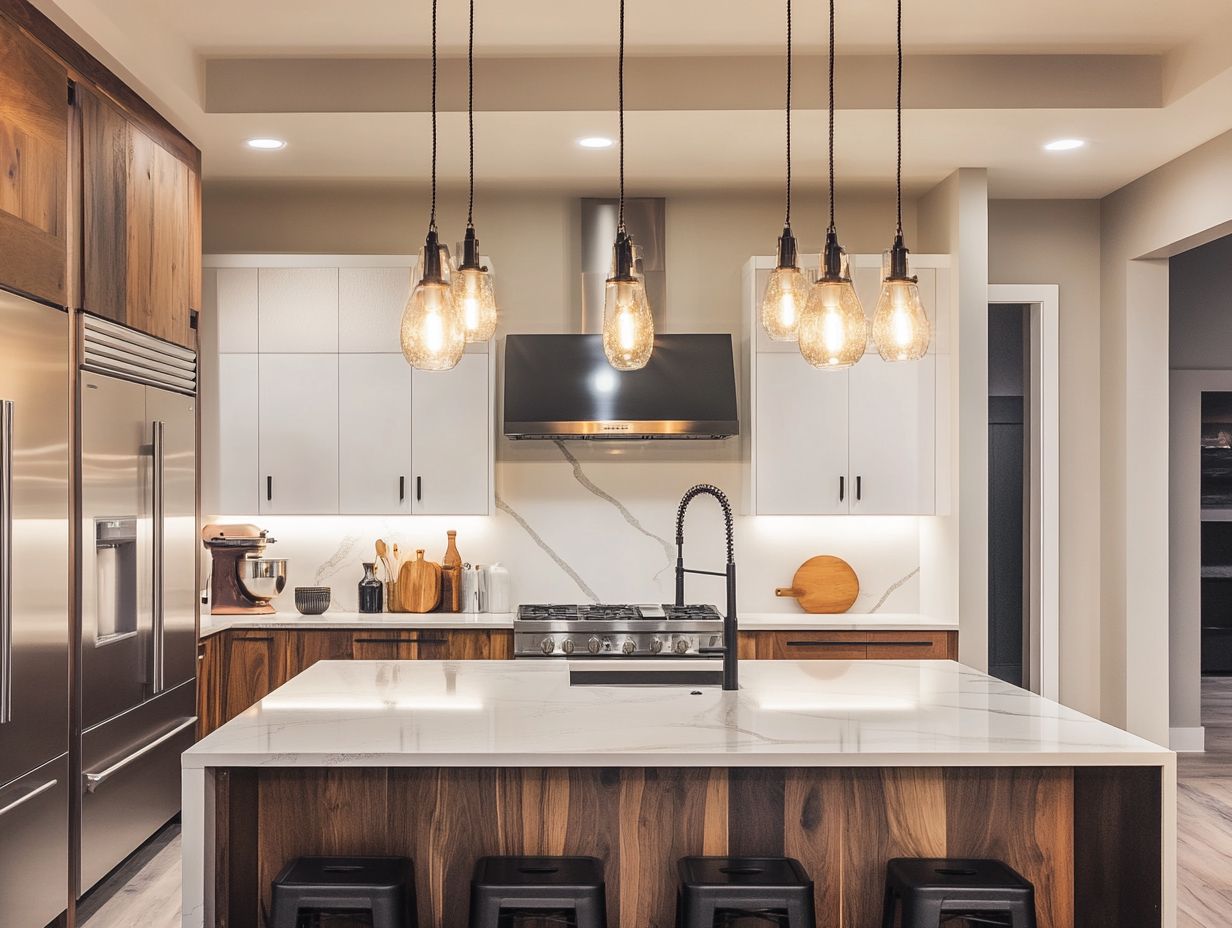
x=34 y=612
x=139 y=592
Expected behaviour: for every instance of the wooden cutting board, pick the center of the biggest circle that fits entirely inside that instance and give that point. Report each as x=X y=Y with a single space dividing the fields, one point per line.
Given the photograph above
x=419 y=584
x=823 y=585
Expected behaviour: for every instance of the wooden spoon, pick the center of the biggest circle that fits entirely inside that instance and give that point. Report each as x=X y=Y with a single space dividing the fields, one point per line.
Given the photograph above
x=382 y=551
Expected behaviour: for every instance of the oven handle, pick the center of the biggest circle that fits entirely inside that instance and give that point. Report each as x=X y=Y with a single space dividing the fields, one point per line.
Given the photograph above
x=26 y=798
x=95 y=780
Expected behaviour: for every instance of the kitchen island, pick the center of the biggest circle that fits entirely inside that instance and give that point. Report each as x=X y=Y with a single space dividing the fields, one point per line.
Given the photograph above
x=841 y=764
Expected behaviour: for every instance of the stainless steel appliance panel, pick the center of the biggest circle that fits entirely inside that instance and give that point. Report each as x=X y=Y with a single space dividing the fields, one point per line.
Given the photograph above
x=117 y=538
x=131 y=777
x=176 y=541
x=34 y=846
x=34 y=536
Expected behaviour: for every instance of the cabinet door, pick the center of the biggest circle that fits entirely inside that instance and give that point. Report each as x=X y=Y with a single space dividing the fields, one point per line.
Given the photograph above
x=374 y=434
x=893 y=436
x=815 y=646
x=800 y=437
x=236 y=479
x=298 y=309
x=298 y=421
x=33 y=168
x=307 y=646
x=384 y=646
x=370 y=305
x=912 y=646
x=451 y=436
x=254 y=669
x=104 y=146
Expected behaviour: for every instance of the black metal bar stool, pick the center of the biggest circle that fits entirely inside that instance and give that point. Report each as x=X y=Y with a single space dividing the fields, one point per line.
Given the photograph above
x=381 y=886
x=931 y=890
x=773 y=888
x=507 y=888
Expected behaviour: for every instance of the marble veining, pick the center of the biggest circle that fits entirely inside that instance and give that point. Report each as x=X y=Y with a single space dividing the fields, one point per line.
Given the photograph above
x=790 y=713
x=547 y=549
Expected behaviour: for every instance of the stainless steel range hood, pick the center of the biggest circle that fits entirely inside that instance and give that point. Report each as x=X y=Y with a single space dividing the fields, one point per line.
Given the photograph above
x=561 y=386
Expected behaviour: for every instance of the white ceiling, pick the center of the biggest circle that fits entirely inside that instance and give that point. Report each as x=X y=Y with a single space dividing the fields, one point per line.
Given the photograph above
x=162 y=46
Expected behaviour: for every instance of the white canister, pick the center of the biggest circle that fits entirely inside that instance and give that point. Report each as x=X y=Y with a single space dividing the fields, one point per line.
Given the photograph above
x=498 y=598
x=471 y=586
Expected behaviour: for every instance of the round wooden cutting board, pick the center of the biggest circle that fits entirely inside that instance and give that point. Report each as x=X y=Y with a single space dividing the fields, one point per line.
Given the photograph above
x=823 y=584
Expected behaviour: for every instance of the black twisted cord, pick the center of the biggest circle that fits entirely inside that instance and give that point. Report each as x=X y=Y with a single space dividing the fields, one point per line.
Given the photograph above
x=899 y=110
x=432 y=217
x=787 y=220
x=718 y=494
x=831 y=229
x=620 y=96
x=470 y=115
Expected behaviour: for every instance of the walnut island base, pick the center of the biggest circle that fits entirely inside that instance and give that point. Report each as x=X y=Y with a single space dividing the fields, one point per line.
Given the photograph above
x=841 y=765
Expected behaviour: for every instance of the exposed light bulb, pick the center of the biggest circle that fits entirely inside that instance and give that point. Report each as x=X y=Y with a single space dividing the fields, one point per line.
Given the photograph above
x=474 y=294
x=787 y=293
x=833 y=332
x=433 y=336
x=628 y=327
x=901 y=328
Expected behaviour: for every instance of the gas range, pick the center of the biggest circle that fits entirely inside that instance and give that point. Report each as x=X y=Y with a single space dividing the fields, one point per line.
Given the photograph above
x=616 y=631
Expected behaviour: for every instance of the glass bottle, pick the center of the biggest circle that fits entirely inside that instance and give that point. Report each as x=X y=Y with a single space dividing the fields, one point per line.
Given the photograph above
x=371 y=590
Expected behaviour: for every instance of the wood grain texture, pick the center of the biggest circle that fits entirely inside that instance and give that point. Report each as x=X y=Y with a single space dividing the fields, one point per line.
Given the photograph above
x=252 y=668
x=104 y=207
x=419 y=585
x=824 y=584
x=848 y=645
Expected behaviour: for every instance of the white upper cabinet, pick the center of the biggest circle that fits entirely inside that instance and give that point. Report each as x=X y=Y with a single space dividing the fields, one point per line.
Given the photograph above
x=374 y=434
x=298 y=416
x=866 y=441
x=298 y=309
x=370 y=304
x=318 y=412
x=451 y=453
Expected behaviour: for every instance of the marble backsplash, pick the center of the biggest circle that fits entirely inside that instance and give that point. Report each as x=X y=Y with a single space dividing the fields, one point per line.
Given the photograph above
x=577 y=522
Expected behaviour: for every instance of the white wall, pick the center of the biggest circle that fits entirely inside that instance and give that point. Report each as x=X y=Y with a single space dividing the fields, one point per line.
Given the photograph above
x=1057 y=242
x=581 y=519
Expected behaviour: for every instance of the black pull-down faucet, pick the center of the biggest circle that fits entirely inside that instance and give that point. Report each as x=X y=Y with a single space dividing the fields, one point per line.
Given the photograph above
x=731 y=680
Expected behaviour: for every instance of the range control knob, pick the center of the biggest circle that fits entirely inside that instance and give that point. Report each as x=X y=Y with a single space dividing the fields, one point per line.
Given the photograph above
x=567 y=646
x=656 y=645
x=628 y=647
x=547 y=645
x=681 y=646
x=593 y=645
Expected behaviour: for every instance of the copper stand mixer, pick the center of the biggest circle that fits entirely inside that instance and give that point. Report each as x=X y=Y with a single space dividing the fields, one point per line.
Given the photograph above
x=242 y=579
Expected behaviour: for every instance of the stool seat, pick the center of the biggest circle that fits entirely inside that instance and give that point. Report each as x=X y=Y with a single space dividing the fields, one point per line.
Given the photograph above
x=930 y=889
x=382 y=886
x=529 y=886
x=711 y=887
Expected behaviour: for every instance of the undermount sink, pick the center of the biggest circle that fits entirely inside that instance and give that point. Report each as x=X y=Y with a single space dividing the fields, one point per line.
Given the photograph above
x=644 y=677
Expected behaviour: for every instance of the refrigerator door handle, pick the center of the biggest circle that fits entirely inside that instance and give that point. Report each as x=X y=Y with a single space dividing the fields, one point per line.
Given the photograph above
x=6 y=561
x=30 y=795
x=95 y=780
x=157 y=631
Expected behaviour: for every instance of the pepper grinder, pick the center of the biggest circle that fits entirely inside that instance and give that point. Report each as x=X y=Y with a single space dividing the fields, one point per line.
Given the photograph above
x=451 y=575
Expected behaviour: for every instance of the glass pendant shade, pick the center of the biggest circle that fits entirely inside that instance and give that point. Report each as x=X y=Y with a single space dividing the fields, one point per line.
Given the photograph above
x=833 y=331
x=433 y=335
x=473 y=293
x=628 y=327
x=901 y=329
x=787 y=293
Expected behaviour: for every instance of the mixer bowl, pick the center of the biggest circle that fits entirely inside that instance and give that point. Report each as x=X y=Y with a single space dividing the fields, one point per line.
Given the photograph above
x=262 y=578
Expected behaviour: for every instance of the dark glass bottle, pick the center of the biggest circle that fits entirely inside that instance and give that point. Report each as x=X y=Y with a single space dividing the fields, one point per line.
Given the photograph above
x=371 y=590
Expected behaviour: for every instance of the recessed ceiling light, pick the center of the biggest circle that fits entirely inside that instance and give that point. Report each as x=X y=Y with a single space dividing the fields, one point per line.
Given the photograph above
x=596 y=141
x=1064 y=145
x=266 y=144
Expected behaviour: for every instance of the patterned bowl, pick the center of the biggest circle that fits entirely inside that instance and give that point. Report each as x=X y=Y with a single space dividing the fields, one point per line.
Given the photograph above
x=312 y=600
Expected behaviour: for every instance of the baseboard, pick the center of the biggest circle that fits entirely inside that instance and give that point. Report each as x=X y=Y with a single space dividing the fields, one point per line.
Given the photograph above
x=1187 y=739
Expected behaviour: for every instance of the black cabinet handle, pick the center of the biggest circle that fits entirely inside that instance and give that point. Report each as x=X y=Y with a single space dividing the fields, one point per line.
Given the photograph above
x=269 y=488
x=419 y=489
x=862 y=644
x=859 y=487
x=402 y=488
x=842 y=487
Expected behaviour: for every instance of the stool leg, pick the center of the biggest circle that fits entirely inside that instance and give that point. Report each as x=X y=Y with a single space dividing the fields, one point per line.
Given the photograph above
x=1022 y=915
x=590 y=913
x=485 y=912
x=921 y=913
x=887 y=907
x=386 y=912
x=800 y=914
x=284 y=915
x=699 y=914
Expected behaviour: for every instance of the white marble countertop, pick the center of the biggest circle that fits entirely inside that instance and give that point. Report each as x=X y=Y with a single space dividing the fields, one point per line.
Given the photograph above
x=787 y=713
x=765 y=621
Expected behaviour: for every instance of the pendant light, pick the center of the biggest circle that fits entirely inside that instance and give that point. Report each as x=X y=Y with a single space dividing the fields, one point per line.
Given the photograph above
x=433 y=336
x=901 y=329
x=628 y=327
x=472 y=284
x=833 y=331
x=787 y=290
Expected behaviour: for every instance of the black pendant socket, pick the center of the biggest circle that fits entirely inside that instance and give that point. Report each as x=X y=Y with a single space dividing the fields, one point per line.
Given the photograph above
x=470 y=251
x=624 y=257
x=432 y=260
x=898 y=260
x=832 y=258
x=788 y=253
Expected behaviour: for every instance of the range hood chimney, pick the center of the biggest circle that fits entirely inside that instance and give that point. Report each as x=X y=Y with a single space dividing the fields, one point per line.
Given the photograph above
x=644 y=220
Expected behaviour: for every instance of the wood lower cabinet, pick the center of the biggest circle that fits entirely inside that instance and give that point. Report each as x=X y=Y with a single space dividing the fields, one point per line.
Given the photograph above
x=848 y=645
x=34 y=150
x=239 y=667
